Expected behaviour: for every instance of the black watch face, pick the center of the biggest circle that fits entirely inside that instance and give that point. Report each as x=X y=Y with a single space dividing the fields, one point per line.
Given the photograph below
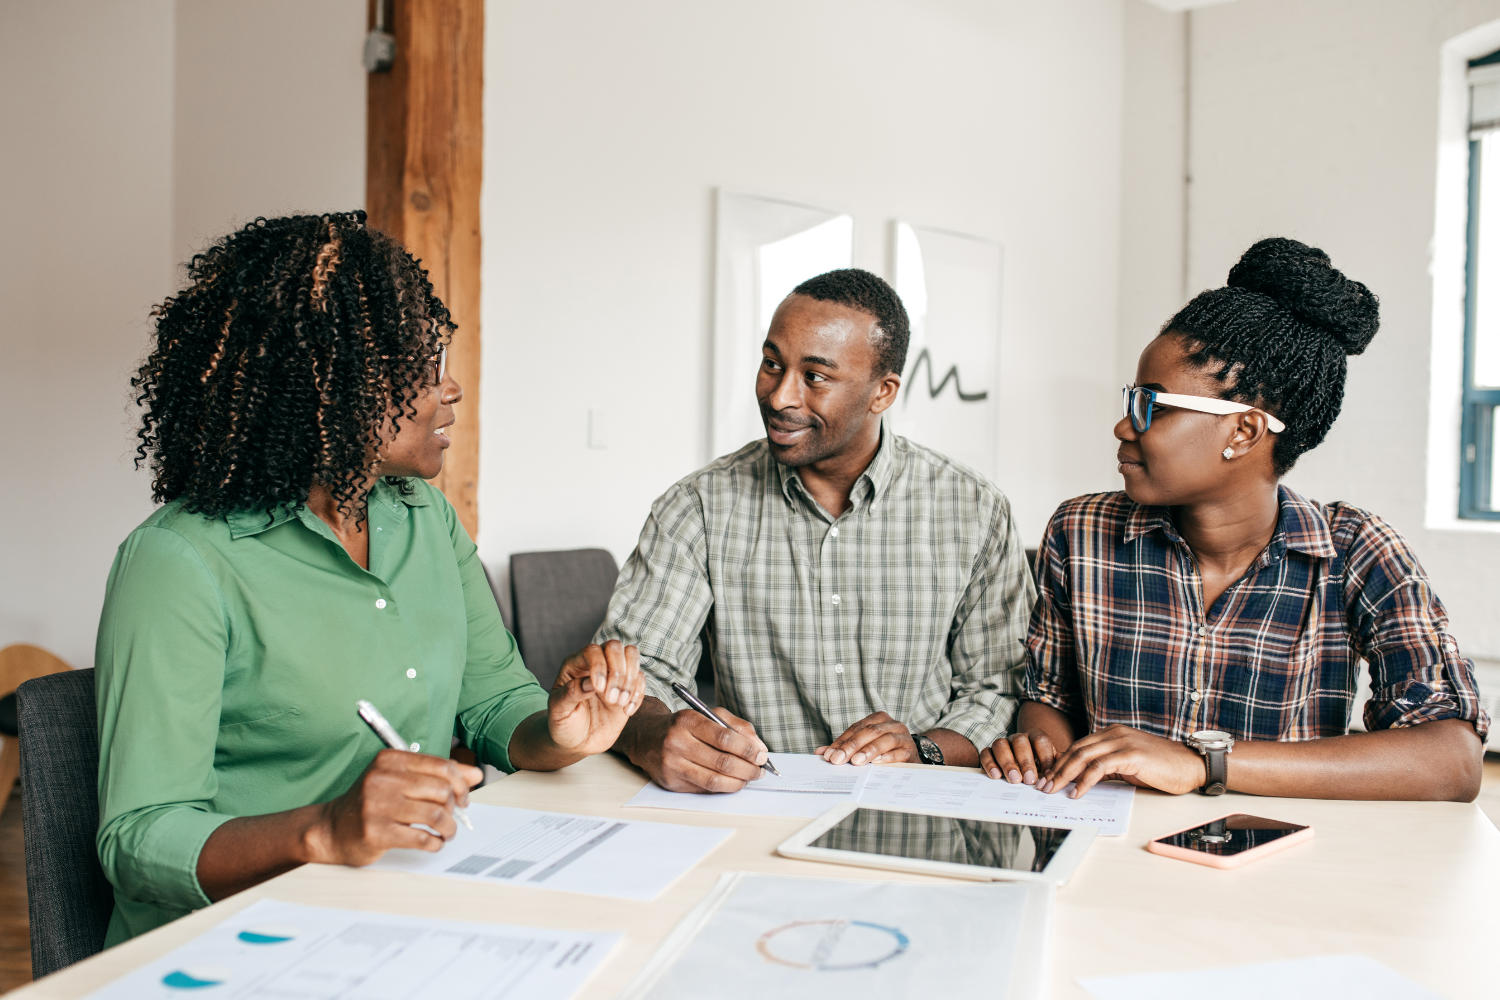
x=928 y=751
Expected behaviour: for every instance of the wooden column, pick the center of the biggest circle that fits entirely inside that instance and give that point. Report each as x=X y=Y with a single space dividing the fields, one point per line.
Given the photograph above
x=422 y=172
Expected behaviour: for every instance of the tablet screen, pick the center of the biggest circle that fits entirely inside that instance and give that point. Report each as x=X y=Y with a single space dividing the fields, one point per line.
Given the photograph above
x=938 y=838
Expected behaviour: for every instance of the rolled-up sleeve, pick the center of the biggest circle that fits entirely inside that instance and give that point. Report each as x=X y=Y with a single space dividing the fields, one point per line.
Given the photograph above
x=985 y=643
x=1051 y=672
x=160 y=658
x=498 y=691
x=1401 y=629
x=663 y=596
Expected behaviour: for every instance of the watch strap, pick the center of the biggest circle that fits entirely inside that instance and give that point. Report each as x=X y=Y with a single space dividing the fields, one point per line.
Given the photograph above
x=1217 y=763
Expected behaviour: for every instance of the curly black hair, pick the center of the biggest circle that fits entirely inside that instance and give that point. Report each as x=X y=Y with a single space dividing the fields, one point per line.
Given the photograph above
x=276 y=367
x=859 y=289
x=1278 y=336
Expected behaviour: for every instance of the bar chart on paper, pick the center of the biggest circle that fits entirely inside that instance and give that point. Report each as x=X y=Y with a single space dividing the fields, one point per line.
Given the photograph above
x=589 y=854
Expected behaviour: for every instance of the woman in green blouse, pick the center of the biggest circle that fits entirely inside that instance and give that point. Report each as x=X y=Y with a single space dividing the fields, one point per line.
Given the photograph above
x=295 y=400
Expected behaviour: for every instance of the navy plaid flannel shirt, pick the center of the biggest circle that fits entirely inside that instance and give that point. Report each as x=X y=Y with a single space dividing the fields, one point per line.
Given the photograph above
x=1119 y=633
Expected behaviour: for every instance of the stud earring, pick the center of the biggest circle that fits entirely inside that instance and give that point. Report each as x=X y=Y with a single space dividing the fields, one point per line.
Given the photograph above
x=1228 y=453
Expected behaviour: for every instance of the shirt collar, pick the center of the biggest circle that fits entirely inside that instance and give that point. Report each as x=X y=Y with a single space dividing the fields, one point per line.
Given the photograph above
x=257 y=520
x=1300 y=526
x=875 y=480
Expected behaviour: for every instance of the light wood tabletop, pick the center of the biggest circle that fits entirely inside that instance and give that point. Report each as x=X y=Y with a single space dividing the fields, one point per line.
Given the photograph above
x=1415 y=885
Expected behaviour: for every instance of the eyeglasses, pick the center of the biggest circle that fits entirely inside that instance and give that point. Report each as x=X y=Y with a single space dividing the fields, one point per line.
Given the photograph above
x=1140 y=402
x=440 y=365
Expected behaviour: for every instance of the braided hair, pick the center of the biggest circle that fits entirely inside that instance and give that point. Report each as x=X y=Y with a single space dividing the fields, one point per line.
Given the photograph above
x=276 y=367
x=1277 y=337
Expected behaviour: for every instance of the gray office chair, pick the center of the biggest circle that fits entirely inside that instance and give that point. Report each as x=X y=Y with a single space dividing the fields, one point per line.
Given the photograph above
x=68 y=897
x=558 y=600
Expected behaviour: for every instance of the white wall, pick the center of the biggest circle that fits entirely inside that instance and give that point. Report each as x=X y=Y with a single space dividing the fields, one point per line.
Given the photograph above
x=1319 y=121
x=1152 y=174
x=270 y=113
x=131 y=131
x=607 y=129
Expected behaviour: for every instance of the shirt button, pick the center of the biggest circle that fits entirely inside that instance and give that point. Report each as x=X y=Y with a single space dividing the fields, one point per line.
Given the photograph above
x=1203 y=630
x=411 y=672
x=834 y=532
x=1195 y=696
x=415 y=747
x=380 y=603
x=837 y=599
x=838 y=668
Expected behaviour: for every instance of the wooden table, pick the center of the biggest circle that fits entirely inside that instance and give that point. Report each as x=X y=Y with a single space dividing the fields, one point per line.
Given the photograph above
x=1415 y=885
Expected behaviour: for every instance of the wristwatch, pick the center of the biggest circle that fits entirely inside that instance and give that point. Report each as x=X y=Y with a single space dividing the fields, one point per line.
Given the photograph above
x=929 y=751
x=1215 y=745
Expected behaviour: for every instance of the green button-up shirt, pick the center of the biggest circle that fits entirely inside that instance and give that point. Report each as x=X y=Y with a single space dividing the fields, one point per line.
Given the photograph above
x=231 y=652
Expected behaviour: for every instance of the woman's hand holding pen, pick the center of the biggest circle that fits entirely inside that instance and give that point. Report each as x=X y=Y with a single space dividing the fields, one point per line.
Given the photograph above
x=373 y=816
x=376 y=814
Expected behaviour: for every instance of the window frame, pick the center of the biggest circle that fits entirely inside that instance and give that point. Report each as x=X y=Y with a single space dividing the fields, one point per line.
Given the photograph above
x=1476 y=449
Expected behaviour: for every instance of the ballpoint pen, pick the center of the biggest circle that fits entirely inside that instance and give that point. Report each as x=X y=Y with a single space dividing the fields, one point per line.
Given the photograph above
x=707 y=713
x=392 y=739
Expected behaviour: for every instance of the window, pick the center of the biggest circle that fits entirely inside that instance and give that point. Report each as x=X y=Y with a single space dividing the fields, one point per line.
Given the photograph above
x=1479 y=480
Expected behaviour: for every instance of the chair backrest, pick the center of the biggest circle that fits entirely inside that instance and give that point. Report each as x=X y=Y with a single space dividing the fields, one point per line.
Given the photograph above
x=68 y=897
x=558 y=601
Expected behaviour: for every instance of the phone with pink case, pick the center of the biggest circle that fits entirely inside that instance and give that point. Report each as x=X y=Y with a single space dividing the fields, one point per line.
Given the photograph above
x=1230 y=841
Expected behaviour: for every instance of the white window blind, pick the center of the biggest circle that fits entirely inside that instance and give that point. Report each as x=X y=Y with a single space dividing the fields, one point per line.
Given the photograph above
x=1484 y=99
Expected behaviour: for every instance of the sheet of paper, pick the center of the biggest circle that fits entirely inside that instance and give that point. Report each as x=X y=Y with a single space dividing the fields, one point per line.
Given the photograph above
x=1106 y=806
x=1294 y=979
x=808 y=786
x=591 y=854
x=759 y=936
x=286 y=951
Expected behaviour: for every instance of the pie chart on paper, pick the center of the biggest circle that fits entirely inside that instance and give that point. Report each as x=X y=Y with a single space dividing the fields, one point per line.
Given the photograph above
x=268 y=934
x=196 y=977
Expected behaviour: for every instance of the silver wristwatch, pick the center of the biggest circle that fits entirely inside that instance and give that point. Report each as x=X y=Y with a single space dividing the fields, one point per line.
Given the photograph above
x=1215 y=745
x=928 y=751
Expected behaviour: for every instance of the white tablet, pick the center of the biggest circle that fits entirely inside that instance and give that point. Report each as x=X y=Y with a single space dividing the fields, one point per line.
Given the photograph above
x=934 y=843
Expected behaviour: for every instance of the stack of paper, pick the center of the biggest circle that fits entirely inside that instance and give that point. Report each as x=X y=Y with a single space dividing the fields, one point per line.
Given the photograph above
x=810 y=786
x=284 y=951
x=760 y=936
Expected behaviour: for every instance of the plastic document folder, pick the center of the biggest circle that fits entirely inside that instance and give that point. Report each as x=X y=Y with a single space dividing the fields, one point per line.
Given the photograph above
x=760 y=936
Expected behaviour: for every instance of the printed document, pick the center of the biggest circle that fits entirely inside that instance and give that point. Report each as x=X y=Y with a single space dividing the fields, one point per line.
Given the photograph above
x=286 y=951
x=761 y=936
x=1316 y=978
x=808 y=786
x=591 y=854
x=1106 y=806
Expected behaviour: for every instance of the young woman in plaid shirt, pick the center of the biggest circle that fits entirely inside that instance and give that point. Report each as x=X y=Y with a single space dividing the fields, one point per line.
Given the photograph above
x=1208 y=597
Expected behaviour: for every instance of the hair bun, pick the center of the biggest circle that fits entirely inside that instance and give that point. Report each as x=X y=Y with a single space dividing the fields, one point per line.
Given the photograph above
x=1304 y=280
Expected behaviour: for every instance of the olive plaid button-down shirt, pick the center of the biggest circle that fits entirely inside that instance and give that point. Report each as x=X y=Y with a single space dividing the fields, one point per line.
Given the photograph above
x=913 y=602
x=1120 y=634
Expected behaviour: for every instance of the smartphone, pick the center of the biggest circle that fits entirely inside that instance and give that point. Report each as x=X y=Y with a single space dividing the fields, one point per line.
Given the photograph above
x=1230 y=841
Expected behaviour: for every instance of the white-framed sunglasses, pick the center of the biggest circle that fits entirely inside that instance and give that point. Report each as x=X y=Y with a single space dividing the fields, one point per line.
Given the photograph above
x=1138 y=403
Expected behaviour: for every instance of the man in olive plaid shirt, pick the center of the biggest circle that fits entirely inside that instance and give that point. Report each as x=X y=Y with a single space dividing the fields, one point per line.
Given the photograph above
x=860 y=596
